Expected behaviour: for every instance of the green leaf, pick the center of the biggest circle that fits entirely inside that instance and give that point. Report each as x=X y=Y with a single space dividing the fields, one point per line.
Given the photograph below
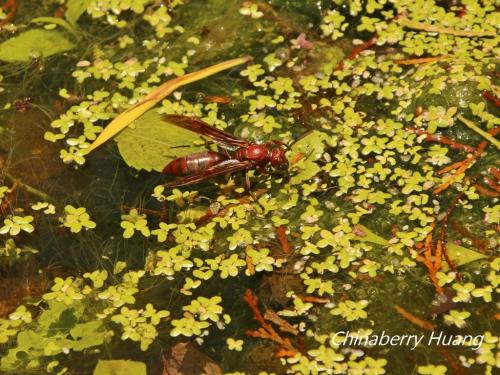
x=75 y=9
x=460 y=255
x=308 y=169
x=34 y=44
x=312 y=144
x=118 y=367
x=152 y=143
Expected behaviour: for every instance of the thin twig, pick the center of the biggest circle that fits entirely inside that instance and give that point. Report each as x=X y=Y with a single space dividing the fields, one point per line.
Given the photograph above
x=480 y=131
x=488 y=95
x=357 y=50
x=266 y=331
x=142 y=210
x=485 y=191
x=492 y=183
x=458 y=369
x=444 y=140
x=463 y=165
x=414 y=319
x=478 y=243
x=444 y=227
x=283 y=239
x=432 y=260
x=421 y=60
x=30 y=189
x=12 y=6
x=223 y=212
x=403 y=21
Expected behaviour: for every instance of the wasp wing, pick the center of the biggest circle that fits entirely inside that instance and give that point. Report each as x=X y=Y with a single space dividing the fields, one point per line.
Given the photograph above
x=228 y=166
x=200 y=127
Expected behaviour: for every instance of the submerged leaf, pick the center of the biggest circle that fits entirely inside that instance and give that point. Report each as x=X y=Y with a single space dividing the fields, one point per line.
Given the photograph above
x=152 y=143
x=191 y=215
x=33 y=44
x=75 y=9
x=116 y=367
x=460 y=255
x=186 y=358
x=366 y=235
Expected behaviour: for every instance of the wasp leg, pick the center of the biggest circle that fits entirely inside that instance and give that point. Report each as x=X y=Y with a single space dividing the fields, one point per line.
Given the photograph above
x=249 y=190
x=247 y=183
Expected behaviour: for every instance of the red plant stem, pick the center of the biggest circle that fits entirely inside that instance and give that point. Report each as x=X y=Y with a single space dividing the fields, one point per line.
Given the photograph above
x=9 y=4
x=457 y=368
x=480 y=244
x=414 y=319
x=266 y=331
x=495 y=172
x=357 y=50
x=252 y=300
x=488 y=95
x=463 y=165
x=314 y=299
x=59 y=13
x=442 y=234
x=444 y=140
x=432 y=261
x=491 y=183
x=485 y=191
x=282 y=237
x=461 y=11
x=449 y=168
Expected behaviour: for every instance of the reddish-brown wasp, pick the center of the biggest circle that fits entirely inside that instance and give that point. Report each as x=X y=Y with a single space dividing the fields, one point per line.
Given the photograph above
x=238 y=155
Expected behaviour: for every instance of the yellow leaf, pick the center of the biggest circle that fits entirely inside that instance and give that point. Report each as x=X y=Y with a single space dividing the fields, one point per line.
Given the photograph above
x=126 y=118
x=366 y=235
x=460 y=255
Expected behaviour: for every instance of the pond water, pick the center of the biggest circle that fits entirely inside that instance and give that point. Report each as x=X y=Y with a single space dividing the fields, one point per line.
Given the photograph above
x=376 y=252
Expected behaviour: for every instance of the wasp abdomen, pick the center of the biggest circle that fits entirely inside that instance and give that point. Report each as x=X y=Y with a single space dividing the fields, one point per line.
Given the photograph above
x=193 y=163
